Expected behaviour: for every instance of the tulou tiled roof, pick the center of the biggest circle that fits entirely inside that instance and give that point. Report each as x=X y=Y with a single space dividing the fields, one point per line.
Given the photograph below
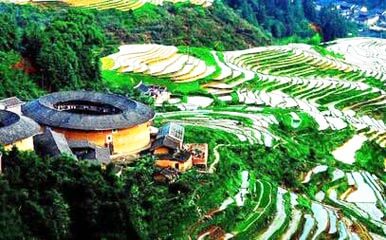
x=85 y=150
x=118 y=111
x=14 y=127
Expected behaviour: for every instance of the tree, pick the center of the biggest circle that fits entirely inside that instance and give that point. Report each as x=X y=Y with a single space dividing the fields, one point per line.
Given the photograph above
x=14 y=80
x=8 y=31
x=332 y=24
x=310 y=10
x=62 y=198
x=66 y=52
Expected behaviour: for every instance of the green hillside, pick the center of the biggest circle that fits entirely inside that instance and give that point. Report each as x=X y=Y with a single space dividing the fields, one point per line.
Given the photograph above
x=42 y=36
x=295 y=133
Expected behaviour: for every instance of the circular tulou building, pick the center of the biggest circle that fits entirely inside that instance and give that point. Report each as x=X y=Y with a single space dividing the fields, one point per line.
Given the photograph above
x=108 y=120
x=17 y=131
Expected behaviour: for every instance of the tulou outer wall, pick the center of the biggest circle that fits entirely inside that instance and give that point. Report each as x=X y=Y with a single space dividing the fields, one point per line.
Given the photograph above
x=180 y=166
x=124 y=141
x=23 y=145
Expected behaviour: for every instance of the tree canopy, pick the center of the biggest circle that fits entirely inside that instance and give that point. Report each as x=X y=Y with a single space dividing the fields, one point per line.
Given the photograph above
x=62 y=199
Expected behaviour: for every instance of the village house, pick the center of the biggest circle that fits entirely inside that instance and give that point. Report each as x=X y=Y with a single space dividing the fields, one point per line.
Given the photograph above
x=90 y=152
x=372 y=20
x=168 y=148
x=346 y=6
x=170 y=138
x=199 y=153
x=180 y=160
x=158 y=93
x=171 y=152
x=53 y=144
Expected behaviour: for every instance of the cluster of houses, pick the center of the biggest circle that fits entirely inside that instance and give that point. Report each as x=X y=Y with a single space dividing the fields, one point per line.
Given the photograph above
x=173 y=156
x=95 y=127
x=374 y=19
x=158 y=93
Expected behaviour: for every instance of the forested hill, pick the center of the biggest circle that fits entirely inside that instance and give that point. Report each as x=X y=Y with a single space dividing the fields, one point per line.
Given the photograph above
x=218 y=27
x=285 y=18
x=53 y=48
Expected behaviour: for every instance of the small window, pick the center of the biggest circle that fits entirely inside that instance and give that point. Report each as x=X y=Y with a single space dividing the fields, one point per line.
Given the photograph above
x=109 y=138
x=115 y=130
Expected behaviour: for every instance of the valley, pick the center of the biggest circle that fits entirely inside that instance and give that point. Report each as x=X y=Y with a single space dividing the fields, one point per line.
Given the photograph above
x=206 y=120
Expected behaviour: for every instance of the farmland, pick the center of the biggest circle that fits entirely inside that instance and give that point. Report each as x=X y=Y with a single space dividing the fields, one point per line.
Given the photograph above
x=119 y=5
x=287 y=129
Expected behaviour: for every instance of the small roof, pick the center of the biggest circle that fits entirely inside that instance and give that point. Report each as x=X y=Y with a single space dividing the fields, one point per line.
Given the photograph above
x=14 y=127
x=51 y=144
x=166 y=175
x=173 y=130
x=180 y=156
x=94 y=153
x=71 y=110
x=199 y=152
x=143 y=88
x=9 y=102
x=166 y=142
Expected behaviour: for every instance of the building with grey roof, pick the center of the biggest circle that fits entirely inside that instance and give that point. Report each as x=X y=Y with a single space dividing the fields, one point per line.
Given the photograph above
x=170 y=135
x=12 y=104
x=85 y=150
x=16 y=130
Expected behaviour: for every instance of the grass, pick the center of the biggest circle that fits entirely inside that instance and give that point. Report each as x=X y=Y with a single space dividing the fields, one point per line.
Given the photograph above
x=327 y=53
x=203 y=54
x=119 y=80
x=107 y=63
x=372 y=81
x=114 y=79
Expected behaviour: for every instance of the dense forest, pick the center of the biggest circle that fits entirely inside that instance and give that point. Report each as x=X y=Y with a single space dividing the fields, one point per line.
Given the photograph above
x=369 y=3
x=284 y=18
x=62 y=199
x=50 y=49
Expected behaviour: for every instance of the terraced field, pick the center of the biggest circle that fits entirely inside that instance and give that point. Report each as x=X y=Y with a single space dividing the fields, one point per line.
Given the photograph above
x=283 y=105
x=122 y=5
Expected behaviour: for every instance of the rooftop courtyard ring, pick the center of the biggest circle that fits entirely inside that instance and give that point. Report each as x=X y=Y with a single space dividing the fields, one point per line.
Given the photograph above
x=86 y=107
x=88 y=111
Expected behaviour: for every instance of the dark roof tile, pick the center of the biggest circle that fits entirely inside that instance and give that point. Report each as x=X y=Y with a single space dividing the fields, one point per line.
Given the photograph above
x=14 y=127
